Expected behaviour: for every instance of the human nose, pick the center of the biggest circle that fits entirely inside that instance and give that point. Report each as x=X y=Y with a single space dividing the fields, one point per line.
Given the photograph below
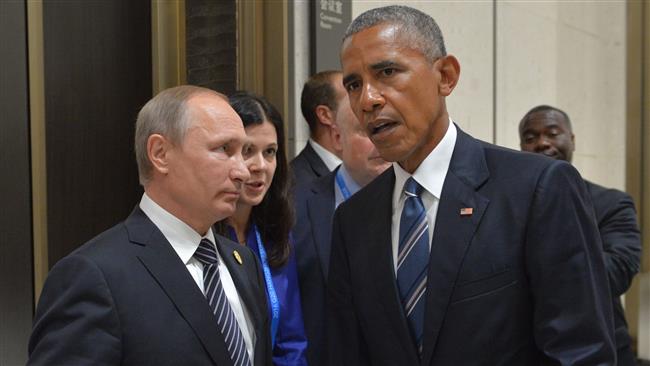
x=239 y=172
x=542 y=144
x=256 y=162
x=371 y=98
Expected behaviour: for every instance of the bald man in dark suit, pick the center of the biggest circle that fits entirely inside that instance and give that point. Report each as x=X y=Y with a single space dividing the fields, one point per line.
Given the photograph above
x=547 y=131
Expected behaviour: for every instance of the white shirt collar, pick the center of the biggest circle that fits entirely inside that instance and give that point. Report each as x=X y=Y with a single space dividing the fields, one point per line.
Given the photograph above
x=331 y=161
x=181 y=236
x=432 y=171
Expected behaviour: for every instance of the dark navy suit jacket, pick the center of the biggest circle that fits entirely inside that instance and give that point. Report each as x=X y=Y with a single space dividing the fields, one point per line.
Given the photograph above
x=619 y=232
x=520 y=281
x=312 y=234
x=307 y=166
x=126 y=298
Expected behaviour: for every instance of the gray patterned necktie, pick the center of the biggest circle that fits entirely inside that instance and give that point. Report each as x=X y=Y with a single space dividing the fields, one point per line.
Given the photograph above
x=207 y=254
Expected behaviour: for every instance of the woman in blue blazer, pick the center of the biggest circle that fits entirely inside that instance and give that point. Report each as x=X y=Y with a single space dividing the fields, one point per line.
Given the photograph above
x=262 y=222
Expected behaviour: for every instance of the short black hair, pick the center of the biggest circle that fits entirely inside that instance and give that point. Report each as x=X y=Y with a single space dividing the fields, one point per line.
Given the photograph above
x=545 y=108
x=419 y=28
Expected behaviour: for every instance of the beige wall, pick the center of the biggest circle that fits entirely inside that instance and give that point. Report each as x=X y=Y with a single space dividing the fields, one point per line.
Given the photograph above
x=571 y=55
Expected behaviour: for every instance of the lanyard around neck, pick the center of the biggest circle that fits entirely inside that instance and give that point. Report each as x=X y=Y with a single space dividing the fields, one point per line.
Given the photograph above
x=342 y=186
x=270 y=289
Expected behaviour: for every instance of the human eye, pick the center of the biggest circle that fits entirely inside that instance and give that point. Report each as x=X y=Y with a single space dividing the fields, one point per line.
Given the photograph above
x=271 y=152
x=554 y=132
x=222 y=148
x=247 y=150
x=352 y=85
x=387 y=71
x=529 y=138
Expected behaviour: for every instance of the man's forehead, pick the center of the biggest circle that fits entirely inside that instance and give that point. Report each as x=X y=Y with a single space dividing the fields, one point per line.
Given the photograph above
x=548 y=117
x=382 y=49
x=213 y=106
x=544 y=119
x=386 y=33
x=387 y=30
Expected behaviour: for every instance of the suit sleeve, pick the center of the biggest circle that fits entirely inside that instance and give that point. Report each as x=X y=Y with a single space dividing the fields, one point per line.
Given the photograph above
x=76 y=321
x=572 y=305
x=345 y=342
x=621 y=243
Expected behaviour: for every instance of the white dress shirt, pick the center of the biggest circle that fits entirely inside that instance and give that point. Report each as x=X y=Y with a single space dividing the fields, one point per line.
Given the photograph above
x=331 y=161
x=185 y=241
x=431 y=176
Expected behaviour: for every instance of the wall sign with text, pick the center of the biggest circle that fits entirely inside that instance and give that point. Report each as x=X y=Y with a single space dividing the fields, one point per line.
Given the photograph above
x=329 y=20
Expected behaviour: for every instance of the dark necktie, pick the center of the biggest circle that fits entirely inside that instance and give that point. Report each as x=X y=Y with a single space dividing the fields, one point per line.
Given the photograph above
x=207 y=254
x=413 y=259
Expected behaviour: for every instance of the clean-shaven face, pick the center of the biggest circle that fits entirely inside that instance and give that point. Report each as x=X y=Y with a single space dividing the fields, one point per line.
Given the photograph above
x=393 y=91
x=260 y=152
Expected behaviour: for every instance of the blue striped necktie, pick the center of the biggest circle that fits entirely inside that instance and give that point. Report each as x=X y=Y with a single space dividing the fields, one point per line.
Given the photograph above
x=413 y=259
x=207 y=254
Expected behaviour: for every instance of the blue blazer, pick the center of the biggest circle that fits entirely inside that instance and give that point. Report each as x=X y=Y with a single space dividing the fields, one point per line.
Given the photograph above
x=126 y=298
x=520 y=281
x=290 y=342
x=619 y=232
x=312 y=234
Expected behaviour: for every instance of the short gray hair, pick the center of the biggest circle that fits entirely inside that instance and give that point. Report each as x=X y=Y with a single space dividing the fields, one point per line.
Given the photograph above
x=419 y=29
x=165 y=114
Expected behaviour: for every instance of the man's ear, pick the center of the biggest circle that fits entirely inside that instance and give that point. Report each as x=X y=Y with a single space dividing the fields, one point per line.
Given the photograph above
x=325 y=115
x=337 y=140
x=573 y=141
x=158 y=148
x=449 y=74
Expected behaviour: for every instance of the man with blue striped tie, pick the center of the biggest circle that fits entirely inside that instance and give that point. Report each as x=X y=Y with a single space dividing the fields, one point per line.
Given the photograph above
x=462 y=253
x=161 y=288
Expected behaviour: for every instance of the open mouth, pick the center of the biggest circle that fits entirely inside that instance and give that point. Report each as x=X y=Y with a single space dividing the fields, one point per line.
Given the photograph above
x=380 y=127
x=255 y=185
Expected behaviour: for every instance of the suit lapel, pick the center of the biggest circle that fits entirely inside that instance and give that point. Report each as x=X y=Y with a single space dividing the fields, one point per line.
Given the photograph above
x=170 y=272
x=240 y=278
x=315 y=162
x=380 y=253
x=320 y=207
x=453 y=233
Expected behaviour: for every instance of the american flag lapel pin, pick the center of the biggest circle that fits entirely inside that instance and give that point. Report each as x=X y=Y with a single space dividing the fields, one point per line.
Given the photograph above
x=466 y=211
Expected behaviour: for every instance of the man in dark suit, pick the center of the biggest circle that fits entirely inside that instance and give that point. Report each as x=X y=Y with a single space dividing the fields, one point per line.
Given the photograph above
x=547 y=130
x=319 y=104
x=315 y=205
x=161 y=288
x=464 y=253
